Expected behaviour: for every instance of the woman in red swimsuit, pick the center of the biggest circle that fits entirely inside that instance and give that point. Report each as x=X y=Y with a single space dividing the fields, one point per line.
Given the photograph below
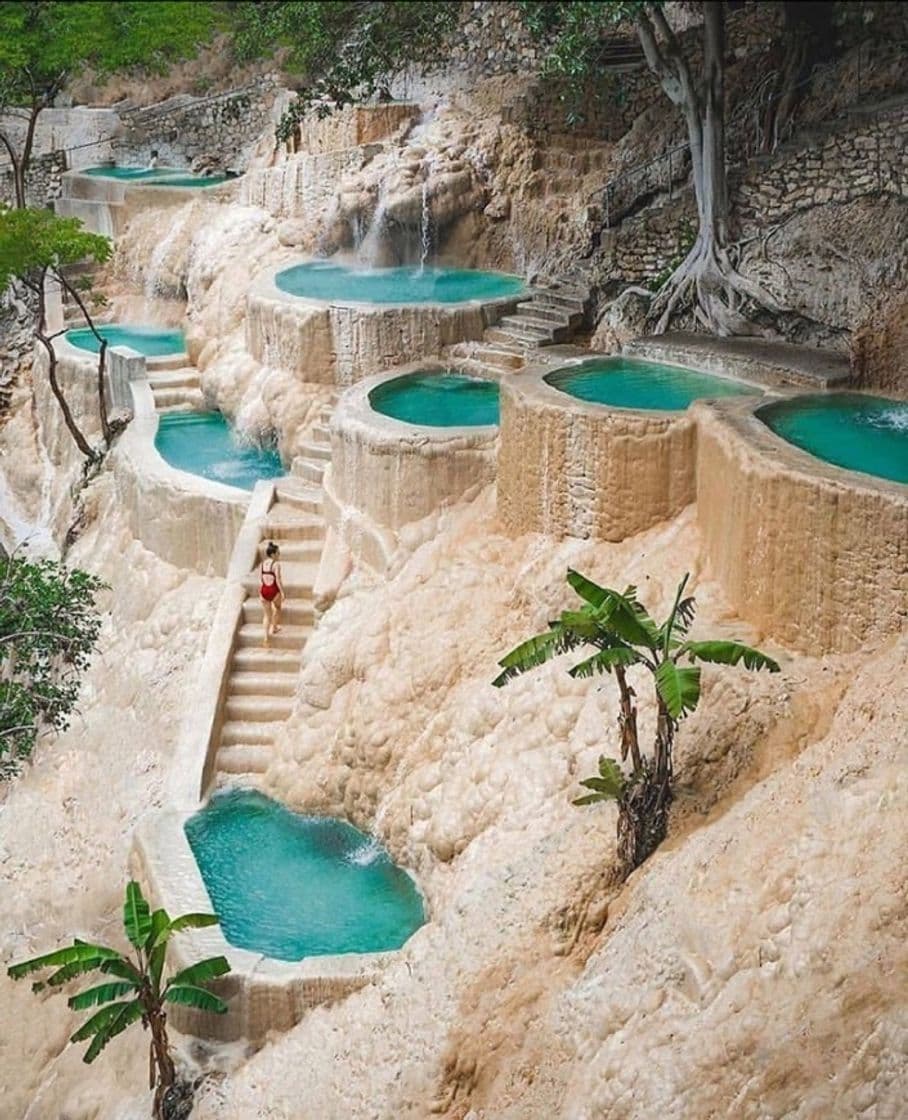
x=271 y=591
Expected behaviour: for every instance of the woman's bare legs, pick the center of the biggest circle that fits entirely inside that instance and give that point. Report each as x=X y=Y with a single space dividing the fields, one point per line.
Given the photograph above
x=267 y=615
x=278 y=603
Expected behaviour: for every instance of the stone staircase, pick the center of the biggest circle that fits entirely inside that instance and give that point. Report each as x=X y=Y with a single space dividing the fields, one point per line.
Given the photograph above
x=176 y=390
x=556 y=309
x=262 y=681
x=310 y=464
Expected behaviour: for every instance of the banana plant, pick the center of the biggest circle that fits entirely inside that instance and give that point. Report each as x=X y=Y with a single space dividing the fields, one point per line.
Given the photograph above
x=616 y=625
x=136 y=990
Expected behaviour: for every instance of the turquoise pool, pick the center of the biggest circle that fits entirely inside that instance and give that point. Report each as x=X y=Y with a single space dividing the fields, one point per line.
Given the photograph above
x=290 y=886
x=438 y=399
x=203 y=443
x=155 y=176
x=334 y=282
x=153 y=342
x=633 y=383
x=851 y=430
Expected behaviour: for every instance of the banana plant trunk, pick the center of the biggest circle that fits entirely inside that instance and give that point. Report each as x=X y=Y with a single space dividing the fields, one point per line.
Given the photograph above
x=163 y=1072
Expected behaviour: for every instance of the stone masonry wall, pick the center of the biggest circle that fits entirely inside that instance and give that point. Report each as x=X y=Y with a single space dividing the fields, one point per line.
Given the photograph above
x=43 y=182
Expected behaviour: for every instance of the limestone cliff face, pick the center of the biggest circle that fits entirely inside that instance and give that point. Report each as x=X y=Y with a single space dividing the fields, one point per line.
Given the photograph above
x=880 y=346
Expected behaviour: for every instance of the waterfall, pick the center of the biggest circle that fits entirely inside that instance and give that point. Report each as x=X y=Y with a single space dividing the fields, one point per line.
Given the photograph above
x=151 y=287
x=425 y=227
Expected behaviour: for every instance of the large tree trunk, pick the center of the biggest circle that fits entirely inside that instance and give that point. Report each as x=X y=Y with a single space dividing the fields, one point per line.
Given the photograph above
x=706 y=280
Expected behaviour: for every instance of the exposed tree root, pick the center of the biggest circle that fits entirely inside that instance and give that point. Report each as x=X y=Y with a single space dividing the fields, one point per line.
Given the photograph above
x=709 y=285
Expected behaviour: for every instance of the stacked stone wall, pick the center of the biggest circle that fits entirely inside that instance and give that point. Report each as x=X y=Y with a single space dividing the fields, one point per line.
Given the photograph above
x=43 y=183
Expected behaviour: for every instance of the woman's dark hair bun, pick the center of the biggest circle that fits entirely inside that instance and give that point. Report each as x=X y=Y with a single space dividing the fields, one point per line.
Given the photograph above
x=272 y=549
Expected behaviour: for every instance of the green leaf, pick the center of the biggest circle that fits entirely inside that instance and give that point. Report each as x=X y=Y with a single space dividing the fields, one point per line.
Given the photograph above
x=99 y=1021
x=201 y=972
x=605 y=661
x=129 y=1013
x=136 y=915
x=607 y=787
x=590 y=592
x=79 y=951
x=729 y=653
x=193 y=921
x=533 y=652
x=678 y=688
x=160 y=929
x=104 y=993
x=191 y=996
x=622 y=613
x=119 y=966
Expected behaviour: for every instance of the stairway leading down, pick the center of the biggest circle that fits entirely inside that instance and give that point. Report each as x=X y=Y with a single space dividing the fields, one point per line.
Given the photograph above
x=262 y=681
x=556 y=309
x=176 y=390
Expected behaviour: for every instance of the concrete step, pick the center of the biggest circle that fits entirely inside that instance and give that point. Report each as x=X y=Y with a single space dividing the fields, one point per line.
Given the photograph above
x=255 y=661
x=558 y=299
x=505 y=360
x=261 y=684
x=291 y=493
x=313 y=450
x=511 y=335
x=179 y=379
x=168 y=362
x=244 y=758
x=236 y=733
x=297 y=552
x=300 y=528
x=528 y=324
x=309 y=471
x=295 y=612
x=321 y=433
x=547 y=312
x=258 y=709
x=176 y=398
x=291 y=637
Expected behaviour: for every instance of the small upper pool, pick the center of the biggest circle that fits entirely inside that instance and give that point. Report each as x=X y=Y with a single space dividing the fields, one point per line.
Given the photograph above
x=155 y=176
x=341 y=284
x=632 y=383
x=203 y=443
x=438 y=399
x=290 y=886
x=851 y=430
x=153 y=342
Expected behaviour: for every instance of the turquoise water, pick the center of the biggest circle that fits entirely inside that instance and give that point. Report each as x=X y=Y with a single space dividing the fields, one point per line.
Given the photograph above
x=632 y=383
x=150 y=341
x=203 y=443
x=319 y=280
x=155 y=177
x=438 y=399
x=290 y=886
x=851 y=430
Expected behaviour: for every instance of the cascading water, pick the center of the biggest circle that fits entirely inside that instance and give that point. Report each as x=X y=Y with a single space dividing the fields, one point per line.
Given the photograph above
x=425 y=227
x=152 y=287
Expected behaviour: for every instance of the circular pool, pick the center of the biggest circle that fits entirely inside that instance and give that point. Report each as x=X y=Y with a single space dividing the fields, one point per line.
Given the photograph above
x=291 y=886
x=153 y=342
x=344 y=284
x=650 y=386
x=438 y=399
x=203 y=443
x=154 y=176
x=851 y=430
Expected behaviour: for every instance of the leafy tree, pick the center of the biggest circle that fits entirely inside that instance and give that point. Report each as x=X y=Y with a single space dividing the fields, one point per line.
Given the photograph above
x=37 y=247
x=136 y=991
x=46 y=43
x=617 y=626
x=49 y=625
x=344 y=51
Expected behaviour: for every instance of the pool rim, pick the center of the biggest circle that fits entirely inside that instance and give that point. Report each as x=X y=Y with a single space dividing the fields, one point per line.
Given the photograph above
x=761 y=391
x=430 y=367
x=265 y=285
x=154 y=362
x=370 y=956
x=806 y=460
x=142 y=184
x=354 y=407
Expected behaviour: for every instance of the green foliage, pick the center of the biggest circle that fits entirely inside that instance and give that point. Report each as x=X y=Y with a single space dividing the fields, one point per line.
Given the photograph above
x=609 y=786
x=44 y=43
x=623 y=636
x=344 y=51
x=33 y=242
x=141 y=979
x=49 y=625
